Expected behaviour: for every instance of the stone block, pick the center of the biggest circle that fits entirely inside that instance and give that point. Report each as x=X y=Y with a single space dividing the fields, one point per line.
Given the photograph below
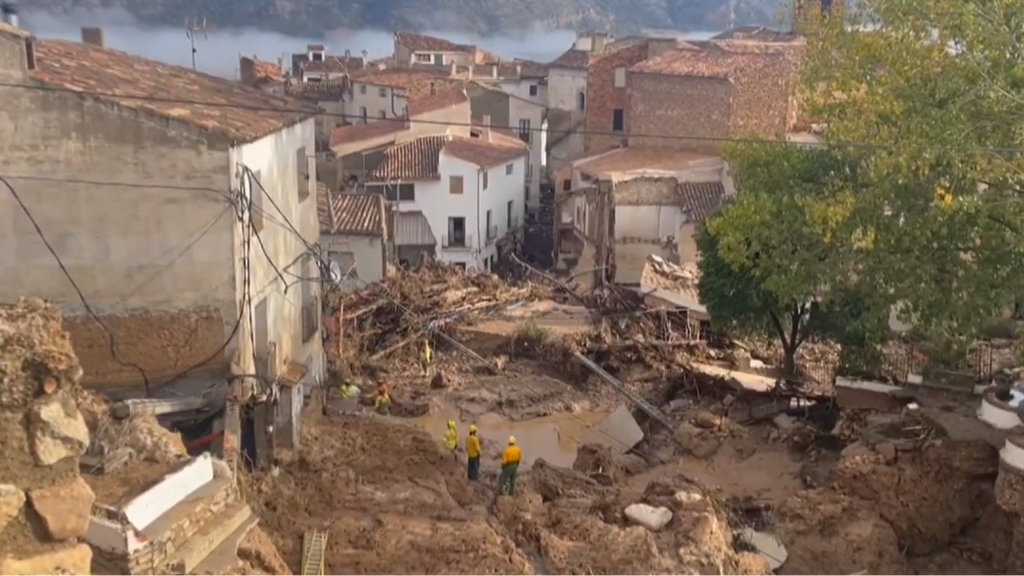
x=650 y=517
x=11 y=501
x=64 y=508
x=73 y=560
x=57 y=430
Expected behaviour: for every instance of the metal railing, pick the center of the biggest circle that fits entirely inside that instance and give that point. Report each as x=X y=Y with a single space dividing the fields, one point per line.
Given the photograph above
x=457 y=242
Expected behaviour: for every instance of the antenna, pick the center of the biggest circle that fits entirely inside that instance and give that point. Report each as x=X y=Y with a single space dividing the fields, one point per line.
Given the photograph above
x=194 y=27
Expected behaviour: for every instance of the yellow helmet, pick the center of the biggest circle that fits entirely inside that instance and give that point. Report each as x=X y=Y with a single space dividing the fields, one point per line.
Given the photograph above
x=511 y=440
x=472 y=428
x=451 y=424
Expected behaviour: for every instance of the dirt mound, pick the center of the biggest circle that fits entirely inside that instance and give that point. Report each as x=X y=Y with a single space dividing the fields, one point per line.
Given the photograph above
x=928 y=495
x=816 y=525
x=393 y=502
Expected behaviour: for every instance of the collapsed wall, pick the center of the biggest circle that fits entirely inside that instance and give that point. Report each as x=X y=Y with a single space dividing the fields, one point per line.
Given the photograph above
x=44 y=503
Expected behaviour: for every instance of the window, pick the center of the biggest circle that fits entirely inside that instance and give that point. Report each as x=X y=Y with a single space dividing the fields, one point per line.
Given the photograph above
x=400 y=192
x=581 y=101
x=382 y=92
x=382 y=115
x=460 y=265
x=508 y=215
x=302 y=171
x=566 y=185
x=492 y=230
x=317 y=56
x=343 y=265
x=525 y=134
x=533 y=89
x=424 y=57
x=256 y=201
x=362 y=88
x=313 y=79
x=484 y=184
x=455 y=184
x=456 y=232
x=509 y=169
x=362 y=112
x=618 y=121
x=620 y=77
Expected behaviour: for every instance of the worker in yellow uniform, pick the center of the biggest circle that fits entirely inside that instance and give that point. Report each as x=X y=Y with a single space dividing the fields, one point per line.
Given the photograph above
x=451 y=439
x=473 y=455
x=426 y=357
x=510 y=460
x=382 y=404
x=349 y=390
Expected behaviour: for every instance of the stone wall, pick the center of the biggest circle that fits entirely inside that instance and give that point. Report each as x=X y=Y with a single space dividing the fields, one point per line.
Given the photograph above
x=44 y=503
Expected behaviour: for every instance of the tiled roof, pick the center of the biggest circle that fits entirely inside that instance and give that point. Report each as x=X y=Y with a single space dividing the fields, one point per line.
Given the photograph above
x=356 y=214
x=422 y=42
x=400 y=79
x=483 y=153
x=6 y=28
x=498 y=131
x=421 y=100
x=359 y=132
x=413 y=160
x=701 y=199
x=528 y=68
x=316 y=91
x=242 y=113
x=757 y=34
x=679 y=280
x=637 y=159
x=573 y=59
x=705 y=63
x=419 y=159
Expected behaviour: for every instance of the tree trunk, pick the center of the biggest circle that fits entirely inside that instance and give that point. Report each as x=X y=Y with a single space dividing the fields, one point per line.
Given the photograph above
x=788 y=361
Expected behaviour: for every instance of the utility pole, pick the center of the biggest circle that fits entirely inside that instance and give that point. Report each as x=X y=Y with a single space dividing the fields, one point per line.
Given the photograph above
x=193 y=28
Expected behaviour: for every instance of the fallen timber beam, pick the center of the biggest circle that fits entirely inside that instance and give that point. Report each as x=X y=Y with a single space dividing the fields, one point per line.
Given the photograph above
x=639 y=402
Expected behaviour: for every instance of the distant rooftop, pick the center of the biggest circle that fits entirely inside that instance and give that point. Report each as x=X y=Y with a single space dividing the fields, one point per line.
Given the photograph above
x=705 y=63
x=422 y=42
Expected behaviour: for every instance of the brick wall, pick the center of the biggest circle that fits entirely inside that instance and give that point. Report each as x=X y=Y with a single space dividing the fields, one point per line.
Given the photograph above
x=603 y=97
x=763 y=102
x=678 y=106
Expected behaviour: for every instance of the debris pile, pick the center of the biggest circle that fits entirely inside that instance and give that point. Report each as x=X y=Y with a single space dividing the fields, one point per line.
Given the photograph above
x=44 y=503
x=385 y=316
x=138 y=437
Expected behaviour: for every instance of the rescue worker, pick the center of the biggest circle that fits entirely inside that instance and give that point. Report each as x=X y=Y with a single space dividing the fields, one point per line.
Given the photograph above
x=472 y=455
x=451 y=439
x=349 y=390
x=426 y=357
x=509 y=468
x=382 y=404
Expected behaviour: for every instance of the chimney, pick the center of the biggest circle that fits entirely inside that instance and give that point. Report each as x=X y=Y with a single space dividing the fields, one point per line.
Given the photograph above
x=10 y=12
x=246 y=70
x=487 y=128
x=94 y=36
x=519 y=70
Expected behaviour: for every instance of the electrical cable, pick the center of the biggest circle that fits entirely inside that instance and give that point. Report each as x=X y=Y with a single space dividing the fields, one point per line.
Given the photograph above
x=112 y=340
x=671 y=137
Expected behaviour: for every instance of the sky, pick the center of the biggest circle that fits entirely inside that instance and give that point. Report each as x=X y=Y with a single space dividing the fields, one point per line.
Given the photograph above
x=217 y=52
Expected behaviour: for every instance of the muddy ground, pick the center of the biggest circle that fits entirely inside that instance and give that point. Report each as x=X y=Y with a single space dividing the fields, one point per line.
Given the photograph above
x=842 y=503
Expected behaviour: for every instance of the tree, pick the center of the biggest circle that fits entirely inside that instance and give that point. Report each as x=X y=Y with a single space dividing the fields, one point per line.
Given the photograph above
x=772 y=257
x=930 y=103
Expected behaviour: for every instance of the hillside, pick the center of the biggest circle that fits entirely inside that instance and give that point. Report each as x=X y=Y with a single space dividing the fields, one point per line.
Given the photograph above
x=313 y=17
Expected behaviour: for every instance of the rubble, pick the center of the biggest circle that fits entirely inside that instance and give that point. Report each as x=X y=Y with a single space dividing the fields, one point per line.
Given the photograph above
x=64 y=509
x=649 y=517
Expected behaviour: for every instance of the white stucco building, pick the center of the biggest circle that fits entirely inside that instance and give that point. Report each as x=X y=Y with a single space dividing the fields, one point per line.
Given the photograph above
x=459 y=199
x=147 y=203
x=353 y=235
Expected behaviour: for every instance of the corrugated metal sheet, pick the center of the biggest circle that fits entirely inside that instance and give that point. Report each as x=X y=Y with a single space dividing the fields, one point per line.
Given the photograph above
x=412 y=228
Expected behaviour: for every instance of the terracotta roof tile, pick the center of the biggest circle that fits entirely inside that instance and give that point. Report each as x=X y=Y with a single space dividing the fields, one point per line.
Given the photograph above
x=701 y=199
x=422 y=101
x=413 y=160
x=359 y=132
x=316 y=91
x=483 y=153
x=705 y=63
x=241 y=113
x=354 y=214
x=637 y=159
x=572 y=58
x=757 y=34
x=422 y=42
x=399 y=79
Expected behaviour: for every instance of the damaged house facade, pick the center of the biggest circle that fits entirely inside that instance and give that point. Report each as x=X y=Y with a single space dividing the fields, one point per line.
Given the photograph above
x=353 y=234
x=153 y=208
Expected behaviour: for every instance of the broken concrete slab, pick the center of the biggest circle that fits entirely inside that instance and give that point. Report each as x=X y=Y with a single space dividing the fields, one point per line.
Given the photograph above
x=866 y=395
x=618 y=431
x=738 y=380
x=768 y=546
x=650 y=517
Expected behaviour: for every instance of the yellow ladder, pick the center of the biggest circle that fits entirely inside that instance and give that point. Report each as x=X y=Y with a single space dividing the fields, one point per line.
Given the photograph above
x=314 y=548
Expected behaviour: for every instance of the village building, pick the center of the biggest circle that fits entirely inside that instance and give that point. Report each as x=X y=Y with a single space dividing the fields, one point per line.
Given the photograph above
x=354 y=236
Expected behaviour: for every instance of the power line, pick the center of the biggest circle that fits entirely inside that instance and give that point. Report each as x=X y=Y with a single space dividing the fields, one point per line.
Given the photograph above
x=447 y=123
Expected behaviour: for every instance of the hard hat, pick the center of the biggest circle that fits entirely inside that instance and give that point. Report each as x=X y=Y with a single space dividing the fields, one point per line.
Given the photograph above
x=451 y=424
x=511 y=440
x=472 y=428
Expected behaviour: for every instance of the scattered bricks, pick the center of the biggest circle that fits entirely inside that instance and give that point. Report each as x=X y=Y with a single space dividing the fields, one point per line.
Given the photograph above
x=1010 y=489
x=64 y=508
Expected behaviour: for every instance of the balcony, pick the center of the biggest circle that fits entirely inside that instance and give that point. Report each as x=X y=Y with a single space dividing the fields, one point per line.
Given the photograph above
x=457 y=242
x=310 y=320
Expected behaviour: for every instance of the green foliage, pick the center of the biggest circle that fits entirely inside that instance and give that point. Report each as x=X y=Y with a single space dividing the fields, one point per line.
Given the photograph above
x=938 y=133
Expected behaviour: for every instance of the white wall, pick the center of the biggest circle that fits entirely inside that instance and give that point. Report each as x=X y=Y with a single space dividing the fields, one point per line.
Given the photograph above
x=365 y=254
x=518 y=110
x=563 y=87
x=521 y=88
x=437 y=203
x=373 y=102
x=275 y=158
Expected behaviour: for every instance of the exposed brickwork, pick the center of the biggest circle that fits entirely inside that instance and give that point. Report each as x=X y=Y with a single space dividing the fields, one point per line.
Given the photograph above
x=603 y=97
x=161 y=343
